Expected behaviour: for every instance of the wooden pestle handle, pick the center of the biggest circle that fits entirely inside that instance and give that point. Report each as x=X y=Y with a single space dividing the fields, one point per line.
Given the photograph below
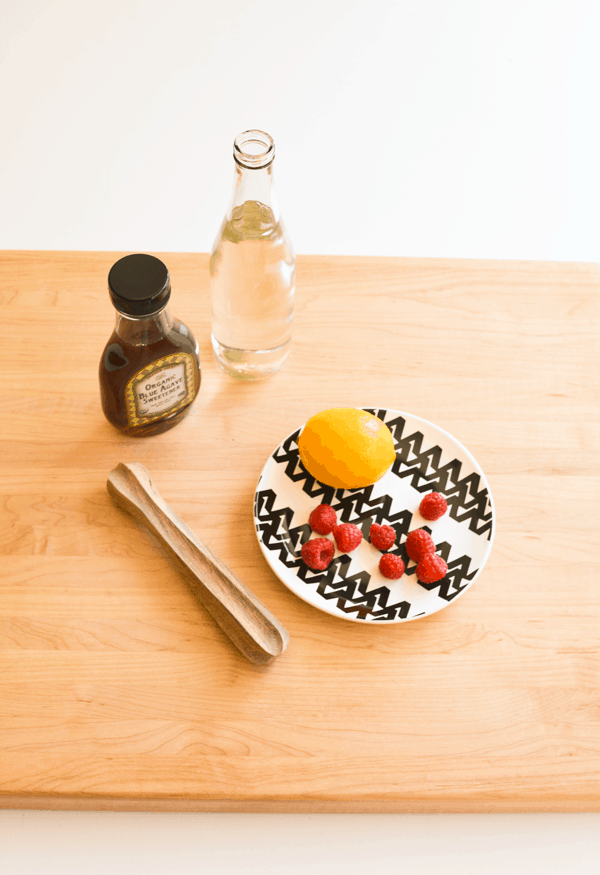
x=250 y=625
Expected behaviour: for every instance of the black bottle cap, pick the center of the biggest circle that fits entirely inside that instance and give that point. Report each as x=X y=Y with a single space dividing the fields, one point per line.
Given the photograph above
x=139 y=285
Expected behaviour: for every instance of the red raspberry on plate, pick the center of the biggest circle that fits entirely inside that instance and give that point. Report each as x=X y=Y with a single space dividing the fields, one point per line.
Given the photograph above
x=323 y=519
x=318 y=553
x=431 y=568
x=382 y=537
x=433 y=506
x=347 y=537
x=391 y=566
x=419 y=544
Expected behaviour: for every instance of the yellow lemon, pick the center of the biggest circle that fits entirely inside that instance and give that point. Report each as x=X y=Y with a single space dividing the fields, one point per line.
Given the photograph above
x=346 y=448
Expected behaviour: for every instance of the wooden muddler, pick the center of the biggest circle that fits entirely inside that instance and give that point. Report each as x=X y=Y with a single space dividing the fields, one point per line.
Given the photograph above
x=248 y=623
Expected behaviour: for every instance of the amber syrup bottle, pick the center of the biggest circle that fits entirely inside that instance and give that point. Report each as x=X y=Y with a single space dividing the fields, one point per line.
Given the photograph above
x=149 y=370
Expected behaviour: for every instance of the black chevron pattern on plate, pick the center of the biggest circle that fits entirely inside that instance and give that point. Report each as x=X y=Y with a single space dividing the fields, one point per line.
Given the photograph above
x=468 y=502
x=350 y=591
x=467 y=499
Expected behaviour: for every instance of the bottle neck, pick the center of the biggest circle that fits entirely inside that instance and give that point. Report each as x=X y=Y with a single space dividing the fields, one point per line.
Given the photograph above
x=143 y=330
x=254 y=185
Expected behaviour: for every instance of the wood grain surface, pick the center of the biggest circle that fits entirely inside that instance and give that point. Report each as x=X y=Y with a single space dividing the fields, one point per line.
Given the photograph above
x=117 y=690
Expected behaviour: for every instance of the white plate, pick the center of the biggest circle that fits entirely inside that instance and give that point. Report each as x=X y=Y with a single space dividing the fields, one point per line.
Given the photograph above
x=352 y=587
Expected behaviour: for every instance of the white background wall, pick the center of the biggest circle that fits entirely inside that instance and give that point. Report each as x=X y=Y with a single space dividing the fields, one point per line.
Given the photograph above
x=423 y=128
x=403 y=127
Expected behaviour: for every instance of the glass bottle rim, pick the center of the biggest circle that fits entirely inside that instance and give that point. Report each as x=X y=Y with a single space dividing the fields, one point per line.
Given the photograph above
x=253 y=149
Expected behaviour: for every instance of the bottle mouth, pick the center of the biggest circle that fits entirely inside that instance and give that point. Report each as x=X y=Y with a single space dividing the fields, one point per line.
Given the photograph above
x=253 y=149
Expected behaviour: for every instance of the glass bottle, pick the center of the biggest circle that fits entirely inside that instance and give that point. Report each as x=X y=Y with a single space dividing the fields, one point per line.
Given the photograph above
x=149 y=370
x=252 y=269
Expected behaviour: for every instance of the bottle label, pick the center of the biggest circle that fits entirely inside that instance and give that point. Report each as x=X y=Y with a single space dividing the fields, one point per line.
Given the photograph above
x=164 y=386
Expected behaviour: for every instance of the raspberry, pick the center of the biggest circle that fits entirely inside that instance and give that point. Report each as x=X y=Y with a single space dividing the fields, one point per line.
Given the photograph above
x=382 y=537
x=323 y=519
x=391 y=566
x=347 y=537
x=318 y=553
x=433 y=506
x=419 y=544
x=431 y=568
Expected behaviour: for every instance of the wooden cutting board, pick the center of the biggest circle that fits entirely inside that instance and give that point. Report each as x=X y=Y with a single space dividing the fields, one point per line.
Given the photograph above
x=118 y=691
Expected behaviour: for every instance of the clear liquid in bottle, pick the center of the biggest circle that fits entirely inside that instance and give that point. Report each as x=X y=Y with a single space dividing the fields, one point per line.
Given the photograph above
x=252 y=269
